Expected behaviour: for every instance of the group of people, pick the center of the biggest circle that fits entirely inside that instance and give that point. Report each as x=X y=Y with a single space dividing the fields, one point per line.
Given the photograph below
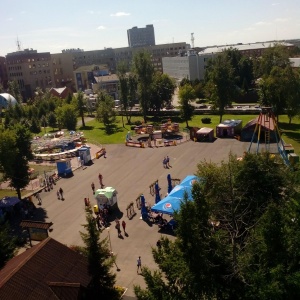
x=102 y=217
x=166 y=162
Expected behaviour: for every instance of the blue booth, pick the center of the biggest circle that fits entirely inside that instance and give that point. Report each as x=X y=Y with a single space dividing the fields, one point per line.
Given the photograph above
x=85 y=154
x=64 y=168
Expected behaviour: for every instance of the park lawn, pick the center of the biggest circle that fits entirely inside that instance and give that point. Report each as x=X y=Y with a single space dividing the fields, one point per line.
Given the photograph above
x=95 y=131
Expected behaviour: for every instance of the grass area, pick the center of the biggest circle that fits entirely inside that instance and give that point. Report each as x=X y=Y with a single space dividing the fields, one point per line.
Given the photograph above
x=42 y=168
x=95 y=131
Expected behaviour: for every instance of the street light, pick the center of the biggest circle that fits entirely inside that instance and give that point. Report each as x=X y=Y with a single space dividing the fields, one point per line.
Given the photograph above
x=111 y=252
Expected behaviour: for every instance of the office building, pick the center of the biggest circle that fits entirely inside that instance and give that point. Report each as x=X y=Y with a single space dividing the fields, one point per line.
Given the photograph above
x=139 y=37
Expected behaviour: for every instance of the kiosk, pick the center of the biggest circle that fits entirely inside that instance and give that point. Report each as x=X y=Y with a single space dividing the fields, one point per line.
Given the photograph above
x=107 y=196
x=64 y=168
x=84 y=154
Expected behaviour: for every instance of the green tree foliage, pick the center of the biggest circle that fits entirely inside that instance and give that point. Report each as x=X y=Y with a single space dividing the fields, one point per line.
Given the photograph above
x=162 y=91
x=127 y=90
x=8 y=244
x=66 y=116
x=105 y=110
x=277 y=56
x=14 y=90
x=15 y=152
x=100 y=261
x=220 y=82
x=51 y=120
x=144 y=72
x=238 y=238
x=186 y=96
x=80 y=103
x=35 y=125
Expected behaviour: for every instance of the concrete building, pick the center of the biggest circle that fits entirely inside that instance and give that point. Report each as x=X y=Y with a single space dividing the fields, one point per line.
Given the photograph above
x=63 y=70
x=31 y=70
x=140 y=37
x=189 y=66
x=108 y=83
x=85 y=76
x=3 y=72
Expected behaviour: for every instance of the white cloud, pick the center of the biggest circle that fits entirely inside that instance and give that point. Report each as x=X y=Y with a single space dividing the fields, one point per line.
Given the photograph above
x=101 y=27
x=274 y=4
x=249 y=28
x=9 y=19
x=261 y=23
x=120 y=14
x=281 y=20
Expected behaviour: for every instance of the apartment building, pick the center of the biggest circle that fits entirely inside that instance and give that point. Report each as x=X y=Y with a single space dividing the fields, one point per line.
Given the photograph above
x=140 y=37
x=31 y=70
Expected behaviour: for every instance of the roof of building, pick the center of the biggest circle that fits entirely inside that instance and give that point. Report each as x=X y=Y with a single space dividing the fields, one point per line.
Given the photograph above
x=265 y=123
x=230 y=123
x=45 y=271
x=59 y=90
x=91 y=68
x=242 y=47
x=5 y=98
x=295 y=62
x=107 y=78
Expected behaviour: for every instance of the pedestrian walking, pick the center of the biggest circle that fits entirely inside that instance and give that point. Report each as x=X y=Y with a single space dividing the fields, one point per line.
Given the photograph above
x=38 y=196
x=93 y=187
x=98 y=221
x=165 y=163
x=168 y=162
x=104 y=153
x=124 y=226
x=58 y=195
x=101 y=180
x=118 y=228
x=139 y=265
x=61 y=192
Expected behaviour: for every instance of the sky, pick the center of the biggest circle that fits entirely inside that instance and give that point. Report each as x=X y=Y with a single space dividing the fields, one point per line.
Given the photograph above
x=51 y=26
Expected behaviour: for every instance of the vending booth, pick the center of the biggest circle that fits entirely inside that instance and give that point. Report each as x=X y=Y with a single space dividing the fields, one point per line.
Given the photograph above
x=85 y=154
x=64 y=168
x=107 y=196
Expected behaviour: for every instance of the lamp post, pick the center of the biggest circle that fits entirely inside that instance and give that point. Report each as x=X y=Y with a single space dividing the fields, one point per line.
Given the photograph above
x=111 y=252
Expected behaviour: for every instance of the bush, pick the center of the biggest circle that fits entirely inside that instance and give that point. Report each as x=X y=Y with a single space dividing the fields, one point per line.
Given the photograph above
x=206 y=120
x=138 y=123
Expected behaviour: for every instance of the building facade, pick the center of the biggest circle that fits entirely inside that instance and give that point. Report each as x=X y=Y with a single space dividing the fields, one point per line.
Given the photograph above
x=31 y=70
x=3 y=72
x=189 y=66
x=140 y=37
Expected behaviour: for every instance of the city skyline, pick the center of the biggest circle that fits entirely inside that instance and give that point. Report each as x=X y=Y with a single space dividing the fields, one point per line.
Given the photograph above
x=94 y=25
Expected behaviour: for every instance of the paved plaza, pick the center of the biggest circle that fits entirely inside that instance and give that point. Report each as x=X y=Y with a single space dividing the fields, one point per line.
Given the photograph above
x=130 y=171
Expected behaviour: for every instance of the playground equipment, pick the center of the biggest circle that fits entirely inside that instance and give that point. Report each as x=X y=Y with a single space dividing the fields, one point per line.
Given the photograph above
x=267 y=125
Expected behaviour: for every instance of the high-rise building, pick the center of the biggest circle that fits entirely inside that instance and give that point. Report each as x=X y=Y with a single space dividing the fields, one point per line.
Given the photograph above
x=139 y=37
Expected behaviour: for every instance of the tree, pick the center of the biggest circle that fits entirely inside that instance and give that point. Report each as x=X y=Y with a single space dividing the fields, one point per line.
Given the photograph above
x=14 y=90
x=80 y=104
x=52 y=119
x=67 y=116
x=238 y=238
x=35 y=125
x=220 y=82
x=186 y=95
x=8 y=244
x=144 y=71
x=105 y=110
x=162 y=91
x=15 y=152
x=127 y=90
x=100 y=261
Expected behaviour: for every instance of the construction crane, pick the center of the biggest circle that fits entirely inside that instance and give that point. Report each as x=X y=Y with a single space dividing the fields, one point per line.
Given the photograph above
x=267 y=125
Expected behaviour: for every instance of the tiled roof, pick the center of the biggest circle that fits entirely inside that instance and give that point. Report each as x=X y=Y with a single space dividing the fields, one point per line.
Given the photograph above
x=35 y=224
x=44 y=271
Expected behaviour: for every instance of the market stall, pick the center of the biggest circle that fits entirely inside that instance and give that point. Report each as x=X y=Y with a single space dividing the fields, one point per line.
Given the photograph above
x=107 y=196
